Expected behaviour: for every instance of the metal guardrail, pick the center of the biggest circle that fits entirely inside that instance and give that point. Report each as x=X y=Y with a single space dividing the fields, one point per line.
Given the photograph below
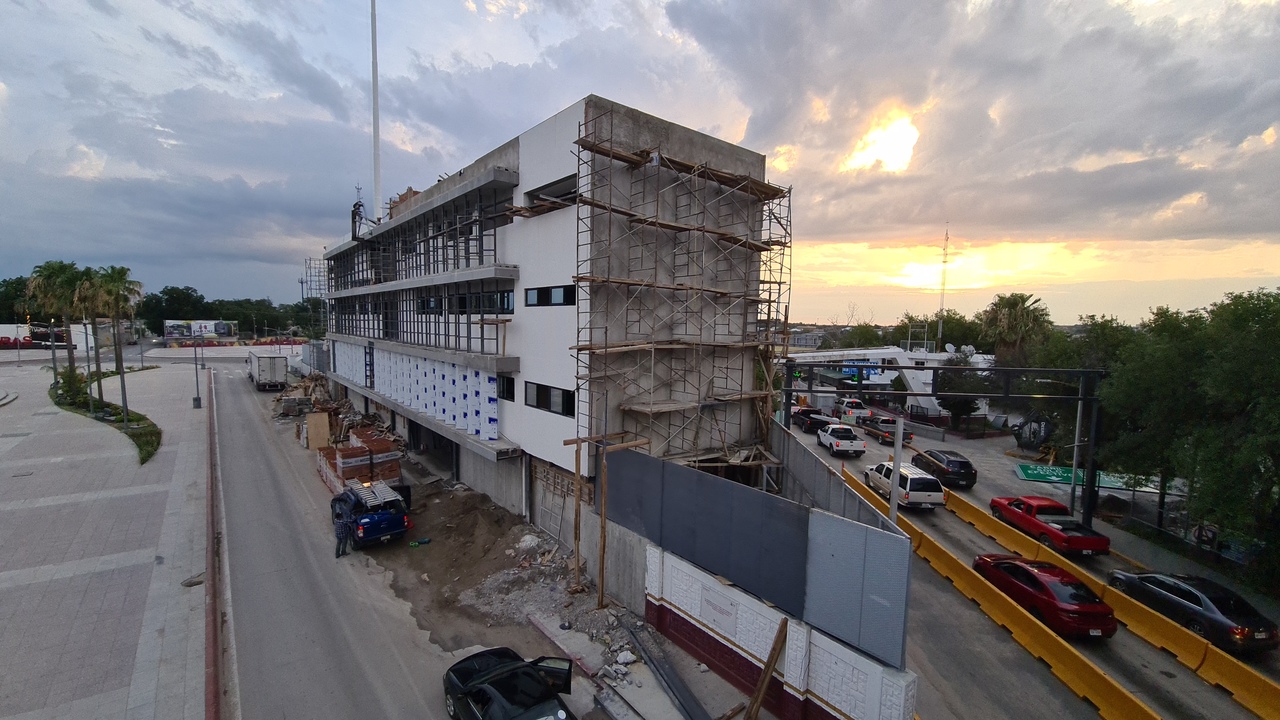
x=1082 y=677
x=1256 y=692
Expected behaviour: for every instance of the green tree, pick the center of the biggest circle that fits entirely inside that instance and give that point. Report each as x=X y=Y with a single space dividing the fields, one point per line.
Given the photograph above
x=959 y=382
x=1153 y=399
x=121 y=292
x=1013 y=323
x=172 y=303
x=13 y=292
x=53 y=285
x=1236 y=442
x=91 y=303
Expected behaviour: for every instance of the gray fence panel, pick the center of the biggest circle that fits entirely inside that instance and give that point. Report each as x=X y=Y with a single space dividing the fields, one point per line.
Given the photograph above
x=635 y=493
x=884 y=597
x=836 y=564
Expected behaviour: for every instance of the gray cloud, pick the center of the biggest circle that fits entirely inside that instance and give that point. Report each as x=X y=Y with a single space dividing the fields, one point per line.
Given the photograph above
x=283 y=57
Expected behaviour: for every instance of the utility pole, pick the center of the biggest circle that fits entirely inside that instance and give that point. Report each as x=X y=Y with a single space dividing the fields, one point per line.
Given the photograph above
x=377 y=144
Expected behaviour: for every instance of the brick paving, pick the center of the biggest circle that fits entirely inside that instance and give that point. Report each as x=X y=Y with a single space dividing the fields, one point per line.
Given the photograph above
x=94 y=620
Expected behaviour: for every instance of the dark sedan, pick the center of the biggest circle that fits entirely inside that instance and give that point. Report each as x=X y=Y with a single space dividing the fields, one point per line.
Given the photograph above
x=1202 y=606
x=949 y=466
x=498 y=684
x=1054 y=596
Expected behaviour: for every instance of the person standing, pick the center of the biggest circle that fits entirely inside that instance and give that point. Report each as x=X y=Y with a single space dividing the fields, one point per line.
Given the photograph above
x=342 y=531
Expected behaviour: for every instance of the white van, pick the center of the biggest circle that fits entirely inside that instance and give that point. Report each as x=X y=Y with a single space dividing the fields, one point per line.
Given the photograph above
x=917 y=488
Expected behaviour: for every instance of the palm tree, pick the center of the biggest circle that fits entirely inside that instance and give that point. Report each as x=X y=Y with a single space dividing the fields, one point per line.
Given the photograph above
x=91 y=302
x=121 y=292
x=53 y=285
x=1012 y=322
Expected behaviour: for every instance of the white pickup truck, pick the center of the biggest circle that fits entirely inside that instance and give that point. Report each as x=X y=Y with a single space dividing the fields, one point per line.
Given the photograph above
x=841 y=440
x=849 y=410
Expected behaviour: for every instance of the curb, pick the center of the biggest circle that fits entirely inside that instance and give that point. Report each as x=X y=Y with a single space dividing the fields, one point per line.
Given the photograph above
x=7 y=398
x=213 y=577
x=1131 y=561
x=551 y=635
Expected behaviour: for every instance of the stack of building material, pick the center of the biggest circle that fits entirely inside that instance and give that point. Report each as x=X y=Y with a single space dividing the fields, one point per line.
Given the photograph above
x=377 y=459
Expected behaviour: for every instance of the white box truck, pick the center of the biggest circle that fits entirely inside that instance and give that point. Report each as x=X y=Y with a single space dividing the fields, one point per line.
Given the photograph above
x=267 y=372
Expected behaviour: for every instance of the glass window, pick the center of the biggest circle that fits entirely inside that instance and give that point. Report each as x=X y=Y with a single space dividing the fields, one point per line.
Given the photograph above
x=531 y=296
x=557 y=296
x=506 y=388
x=1075 y=593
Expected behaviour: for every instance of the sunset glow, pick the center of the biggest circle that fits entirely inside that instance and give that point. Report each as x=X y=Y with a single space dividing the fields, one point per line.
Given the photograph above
x=887 y=146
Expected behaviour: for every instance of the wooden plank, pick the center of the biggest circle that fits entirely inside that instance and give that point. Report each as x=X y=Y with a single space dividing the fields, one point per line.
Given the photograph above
x=757 y=697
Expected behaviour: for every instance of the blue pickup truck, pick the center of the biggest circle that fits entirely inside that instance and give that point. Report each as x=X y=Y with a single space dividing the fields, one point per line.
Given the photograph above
x=373 y=512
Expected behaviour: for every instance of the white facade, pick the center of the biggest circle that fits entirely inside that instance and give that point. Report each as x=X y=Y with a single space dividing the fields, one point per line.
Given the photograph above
x=464 y=311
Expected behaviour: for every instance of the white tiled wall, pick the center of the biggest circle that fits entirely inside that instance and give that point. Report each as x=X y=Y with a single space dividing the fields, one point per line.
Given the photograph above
x=465 y=398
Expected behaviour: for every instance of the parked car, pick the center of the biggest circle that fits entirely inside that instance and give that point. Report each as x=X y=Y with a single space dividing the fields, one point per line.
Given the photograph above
x=949 y=466
x=918 y=489
x=498 y=684
x=1052 y=523
x=1202 y=606
x=1054 y=596
x=811 y=419
x=841 y=440
x=372 y=511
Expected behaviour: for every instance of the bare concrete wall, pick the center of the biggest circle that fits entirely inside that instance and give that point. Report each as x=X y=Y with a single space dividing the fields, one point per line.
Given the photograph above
x=624 y=550
x=502 y=481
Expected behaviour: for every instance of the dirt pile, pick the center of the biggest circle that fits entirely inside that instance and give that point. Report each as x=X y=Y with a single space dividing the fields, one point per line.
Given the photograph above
x=483 y=572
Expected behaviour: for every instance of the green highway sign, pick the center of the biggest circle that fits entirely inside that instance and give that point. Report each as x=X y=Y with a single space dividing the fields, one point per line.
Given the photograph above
x=1054 y=474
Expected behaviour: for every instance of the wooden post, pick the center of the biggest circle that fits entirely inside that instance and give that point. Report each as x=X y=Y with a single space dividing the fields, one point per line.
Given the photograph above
x=577 y=515
x=757 y=697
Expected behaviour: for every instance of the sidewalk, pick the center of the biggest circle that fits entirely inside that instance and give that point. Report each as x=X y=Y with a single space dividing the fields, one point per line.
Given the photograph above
x=94 y=619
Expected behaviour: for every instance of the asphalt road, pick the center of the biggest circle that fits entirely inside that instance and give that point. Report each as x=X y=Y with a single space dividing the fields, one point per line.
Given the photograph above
x=1153 y=675
x=314 y=637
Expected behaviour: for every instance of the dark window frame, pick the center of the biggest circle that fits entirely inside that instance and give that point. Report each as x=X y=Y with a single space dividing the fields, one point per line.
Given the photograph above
x=542 y=296
x=506 y=388
x=552 y=399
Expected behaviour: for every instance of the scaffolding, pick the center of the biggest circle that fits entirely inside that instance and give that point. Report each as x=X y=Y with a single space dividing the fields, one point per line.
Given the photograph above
x=315 y=286
x=683 y=278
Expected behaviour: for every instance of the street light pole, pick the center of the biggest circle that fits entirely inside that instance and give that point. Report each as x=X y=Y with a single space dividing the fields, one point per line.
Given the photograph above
x=89 y=389
x=195 y=365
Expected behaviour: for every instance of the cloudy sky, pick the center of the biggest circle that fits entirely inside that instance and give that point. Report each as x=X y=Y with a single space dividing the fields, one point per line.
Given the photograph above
x=1109 y=157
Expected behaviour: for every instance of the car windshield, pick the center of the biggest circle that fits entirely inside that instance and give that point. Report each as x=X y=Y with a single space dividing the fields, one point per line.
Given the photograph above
x=523 y=687
x=1073 y=593
x=840 y=433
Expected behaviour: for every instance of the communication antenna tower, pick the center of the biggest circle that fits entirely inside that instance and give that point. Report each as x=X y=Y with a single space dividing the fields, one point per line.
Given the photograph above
x=942 y=300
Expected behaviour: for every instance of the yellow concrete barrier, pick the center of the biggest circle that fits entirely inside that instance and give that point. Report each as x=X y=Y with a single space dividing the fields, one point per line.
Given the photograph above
x=1113 y=701
x=1157 y=629
x=1252 y=690
x=879 y=503
x=1009 y=537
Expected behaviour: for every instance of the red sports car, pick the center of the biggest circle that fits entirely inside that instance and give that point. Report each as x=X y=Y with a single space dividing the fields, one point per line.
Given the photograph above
x=1054 y=596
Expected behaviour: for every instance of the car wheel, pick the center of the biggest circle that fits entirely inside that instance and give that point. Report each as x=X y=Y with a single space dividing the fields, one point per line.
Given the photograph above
x=857 y=454
x=995 y=513
x=831 y=450
x=866 y=479
x=1118 y=584
x=1195 y=627
x=1044 y=540
x=448 y=706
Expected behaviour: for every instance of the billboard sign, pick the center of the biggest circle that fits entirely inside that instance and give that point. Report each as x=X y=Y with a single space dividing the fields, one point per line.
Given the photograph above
x=191 y=329
x=870 y=368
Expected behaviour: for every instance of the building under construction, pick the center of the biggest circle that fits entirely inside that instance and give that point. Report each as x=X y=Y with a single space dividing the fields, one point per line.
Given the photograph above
x=605 y=275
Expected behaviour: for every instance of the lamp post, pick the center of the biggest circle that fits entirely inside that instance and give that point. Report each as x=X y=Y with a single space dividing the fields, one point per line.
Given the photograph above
x=195 y=365
x=202 y=365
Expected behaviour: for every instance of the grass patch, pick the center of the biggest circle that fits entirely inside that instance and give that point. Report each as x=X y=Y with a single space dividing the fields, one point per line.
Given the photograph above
x=144 y=433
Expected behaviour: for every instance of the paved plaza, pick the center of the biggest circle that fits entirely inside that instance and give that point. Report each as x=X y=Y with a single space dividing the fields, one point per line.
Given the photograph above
x=94 y=619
